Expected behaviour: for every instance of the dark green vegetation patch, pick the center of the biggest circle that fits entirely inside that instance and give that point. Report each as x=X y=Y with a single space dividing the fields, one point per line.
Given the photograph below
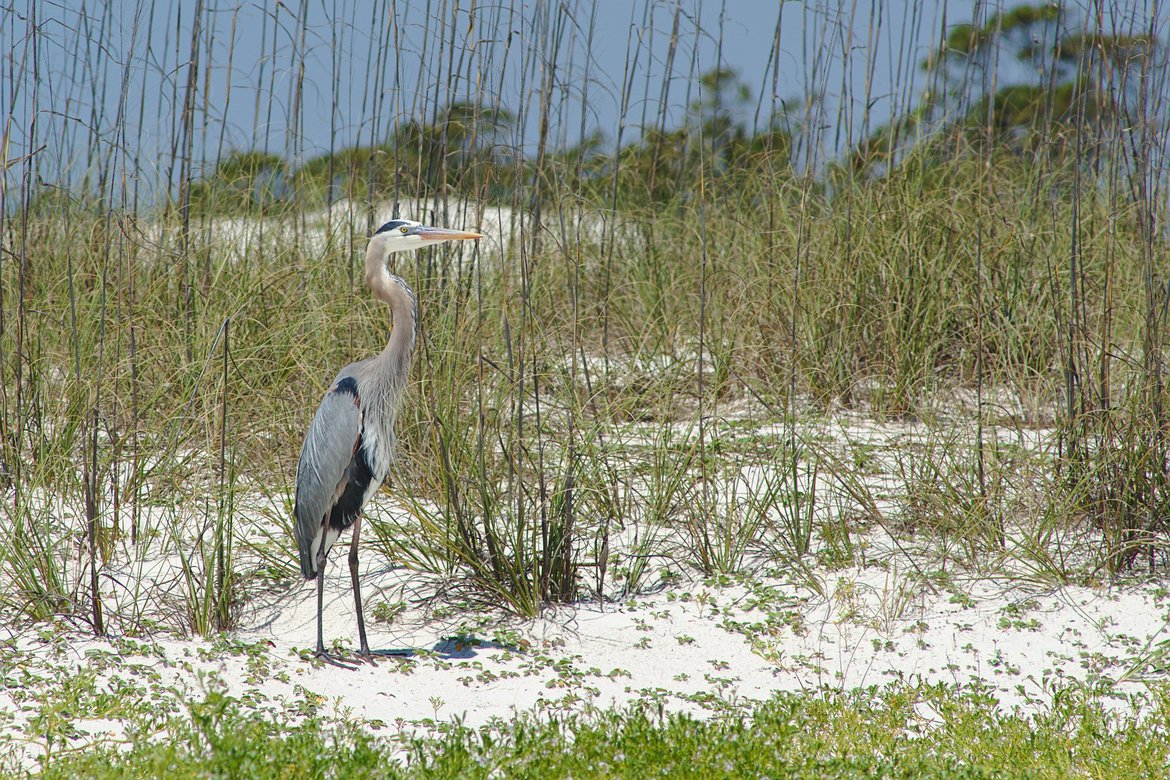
x=894 y=732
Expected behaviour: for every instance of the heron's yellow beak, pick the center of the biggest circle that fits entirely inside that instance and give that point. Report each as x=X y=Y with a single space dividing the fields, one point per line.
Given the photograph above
x=427 y=233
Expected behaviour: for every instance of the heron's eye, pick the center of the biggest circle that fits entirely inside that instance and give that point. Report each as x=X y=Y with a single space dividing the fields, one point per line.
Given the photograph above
x=404 y=230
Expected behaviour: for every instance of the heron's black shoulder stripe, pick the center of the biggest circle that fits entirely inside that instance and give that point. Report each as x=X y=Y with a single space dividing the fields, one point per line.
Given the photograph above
x=347 y=385
x=357 y=481
x=393 y=224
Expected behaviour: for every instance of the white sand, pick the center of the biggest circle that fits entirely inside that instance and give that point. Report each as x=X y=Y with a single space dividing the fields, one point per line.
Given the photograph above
x=694 y=647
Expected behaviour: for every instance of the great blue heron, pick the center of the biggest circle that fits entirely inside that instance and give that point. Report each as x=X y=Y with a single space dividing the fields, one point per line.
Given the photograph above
x=350 y=443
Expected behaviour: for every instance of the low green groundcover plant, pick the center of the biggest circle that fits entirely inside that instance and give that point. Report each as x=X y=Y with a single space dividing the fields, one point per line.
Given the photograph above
x=898 y=731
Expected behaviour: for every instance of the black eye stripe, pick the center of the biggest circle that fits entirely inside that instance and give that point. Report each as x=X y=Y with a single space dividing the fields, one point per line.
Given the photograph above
x=393 y=224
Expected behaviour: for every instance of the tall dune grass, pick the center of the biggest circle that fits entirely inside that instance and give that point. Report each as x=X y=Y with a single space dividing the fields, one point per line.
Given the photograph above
x=169 y=319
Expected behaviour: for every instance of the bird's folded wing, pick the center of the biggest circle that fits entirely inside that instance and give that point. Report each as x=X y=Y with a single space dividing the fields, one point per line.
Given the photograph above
x=328 y=449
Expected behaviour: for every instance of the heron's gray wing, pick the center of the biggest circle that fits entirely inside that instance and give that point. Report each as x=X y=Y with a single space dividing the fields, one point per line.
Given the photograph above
x=326 y=454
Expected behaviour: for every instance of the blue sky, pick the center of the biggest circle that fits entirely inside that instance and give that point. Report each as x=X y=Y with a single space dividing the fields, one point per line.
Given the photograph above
x=429 y=52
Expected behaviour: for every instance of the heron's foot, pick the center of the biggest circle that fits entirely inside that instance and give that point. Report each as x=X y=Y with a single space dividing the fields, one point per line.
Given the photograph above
x=321 y=655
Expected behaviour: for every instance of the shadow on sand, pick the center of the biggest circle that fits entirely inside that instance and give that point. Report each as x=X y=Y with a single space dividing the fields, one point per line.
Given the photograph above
x=452 y=648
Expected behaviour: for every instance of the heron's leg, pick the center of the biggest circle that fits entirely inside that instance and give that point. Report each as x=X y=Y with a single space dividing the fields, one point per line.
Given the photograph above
x=321 y=600
x=364 y=649
x=320 y=652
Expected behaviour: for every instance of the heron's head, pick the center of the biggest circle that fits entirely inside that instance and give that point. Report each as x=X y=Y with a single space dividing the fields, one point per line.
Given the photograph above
x=405 y=235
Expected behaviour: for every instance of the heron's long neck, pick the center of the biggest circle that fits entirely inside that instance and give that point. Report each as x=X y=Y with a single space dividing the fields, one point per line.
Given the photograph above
x=388 y=371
